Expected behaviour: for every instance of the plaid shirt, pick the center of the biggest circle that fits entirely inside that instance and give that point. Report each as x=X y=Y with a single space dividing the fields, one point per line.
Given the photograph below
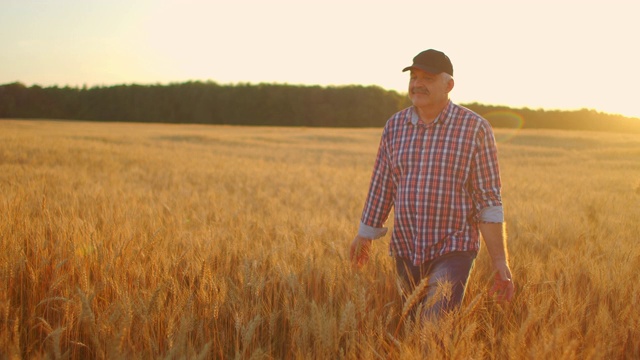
x=438 y=177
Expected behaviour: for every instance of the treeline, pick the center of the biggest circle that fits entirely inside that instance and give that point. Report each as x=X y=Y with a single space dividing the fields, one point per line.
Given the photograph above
x=584 y=119
x=263 y=104
x=206 y=103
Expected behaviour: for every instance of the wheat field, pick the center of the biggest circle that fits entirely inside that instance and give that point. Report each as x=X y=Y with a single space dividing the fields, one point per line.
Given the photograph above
x=148 y=241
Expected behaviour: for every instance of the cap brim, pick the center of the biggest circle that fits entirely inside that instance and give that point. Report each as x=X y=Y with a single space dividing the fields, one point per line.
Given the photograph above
x=423 y=68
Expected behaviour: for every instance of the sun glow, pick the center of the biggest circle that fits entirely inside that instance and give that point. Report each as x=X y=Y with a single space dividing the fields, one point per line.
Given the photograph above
x=510 y=123
x=499 y=57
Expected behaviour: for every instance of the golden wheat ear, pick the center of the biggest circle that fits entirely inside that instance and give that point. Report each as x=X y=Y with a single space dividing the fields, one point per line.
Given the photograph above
x=411 y=301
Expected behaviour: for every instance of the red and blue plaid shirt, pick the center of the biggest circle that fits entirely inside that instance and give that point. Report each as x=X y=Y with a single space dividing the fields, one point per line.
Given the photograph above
x=438 y=177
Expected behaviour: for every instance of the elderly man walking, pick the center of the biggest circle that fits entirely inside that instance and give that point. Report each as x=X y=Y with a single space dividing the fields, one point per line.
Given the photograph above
x=437 y=166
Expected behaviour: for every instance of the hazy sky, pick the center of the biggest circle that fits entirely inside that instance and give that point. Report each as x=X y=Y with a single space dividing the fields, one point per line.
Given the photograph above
x=550 y=54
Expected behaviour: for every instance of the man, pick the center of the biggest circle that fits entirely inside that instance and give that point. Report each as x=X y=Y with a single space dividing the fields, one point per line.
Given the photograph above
x=437 y=167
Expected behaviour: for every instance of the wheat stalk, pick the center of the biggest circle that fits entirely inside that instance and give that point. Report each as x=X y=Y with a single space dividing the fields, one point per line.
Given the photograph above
x=414 y=298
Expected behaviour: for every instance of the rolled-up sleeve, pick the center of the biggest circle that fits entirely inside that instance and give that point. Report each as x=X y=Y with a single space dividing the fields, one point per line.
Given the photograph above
x=485 y=173
x=380 y=197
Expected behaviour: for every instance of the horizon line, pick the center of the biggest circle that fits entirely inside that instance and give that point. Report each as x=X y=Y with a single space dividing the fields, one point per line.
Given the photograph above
x=158 y=83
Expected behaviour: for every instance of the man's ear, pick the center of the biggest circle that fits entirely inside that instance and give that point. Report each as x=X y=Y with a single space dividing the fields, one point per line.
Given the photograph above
x=450 y=85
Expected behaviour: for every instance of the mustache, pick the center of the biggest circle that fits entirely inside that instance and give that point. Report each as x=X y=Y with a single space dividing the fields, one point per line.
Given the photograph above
x=420 y=90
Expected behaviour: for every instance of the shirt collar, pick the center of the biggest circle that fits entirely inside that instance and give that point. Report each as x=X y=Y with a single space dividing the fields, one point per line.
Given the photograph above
x=442 y=118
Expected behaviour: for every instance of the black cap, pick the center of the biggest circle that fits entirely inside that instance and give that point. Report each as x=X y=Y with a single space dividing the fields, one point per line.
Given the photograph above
x=432 y=61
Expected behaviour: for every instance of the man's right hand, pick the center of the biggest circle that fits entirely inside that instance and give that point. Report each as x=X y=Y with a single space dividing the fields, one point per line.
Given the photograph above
x=360 y=248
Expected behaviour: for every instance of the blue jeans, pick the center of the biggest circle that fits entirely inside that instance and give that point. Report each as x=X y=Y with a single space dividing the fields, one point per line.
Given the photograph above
x=453 y=267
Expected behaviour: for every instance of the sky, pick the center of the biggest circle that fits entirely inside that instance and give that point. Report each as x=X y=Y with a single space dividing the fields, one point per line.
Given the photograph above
x=549 y=54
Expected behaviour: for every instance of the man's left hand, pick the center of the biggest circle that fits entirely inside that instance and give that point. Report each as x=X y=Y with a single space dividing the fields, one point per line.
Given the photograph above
x=503 y=285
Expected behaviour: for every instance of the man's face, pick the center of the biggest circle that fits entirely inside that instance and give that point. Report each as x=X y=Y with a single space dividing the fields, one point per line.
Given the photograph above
x=427 y=89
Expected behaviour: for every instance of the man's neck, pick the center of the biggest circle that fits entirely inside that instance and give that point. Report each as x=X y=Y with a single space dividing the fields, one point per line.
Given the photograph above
x=430 y=114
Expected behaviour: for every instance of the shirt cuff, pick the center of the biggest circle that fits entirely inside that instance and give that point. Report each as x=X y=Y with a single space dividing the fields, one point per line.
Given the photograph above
x=371 y=232
x=492 y=214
